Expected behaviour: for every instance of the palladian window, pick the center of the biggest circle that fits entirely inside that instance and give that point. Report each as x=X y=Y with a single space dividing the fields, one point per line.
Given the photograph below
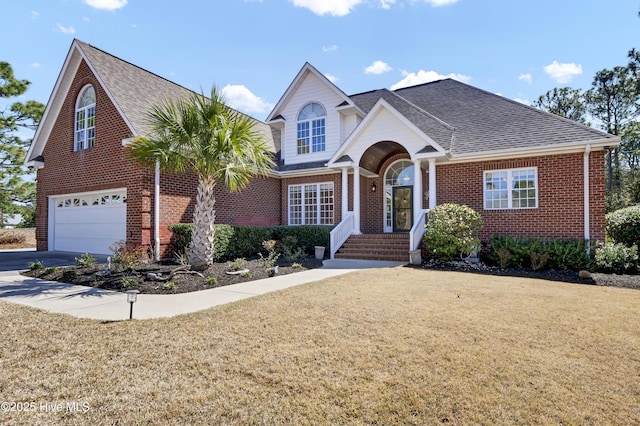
x=85 y=119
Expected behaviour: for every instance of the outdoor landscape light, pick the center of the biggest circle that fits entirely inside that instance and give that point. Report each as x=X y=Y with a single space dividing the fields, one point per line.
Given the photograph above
x=132 y=297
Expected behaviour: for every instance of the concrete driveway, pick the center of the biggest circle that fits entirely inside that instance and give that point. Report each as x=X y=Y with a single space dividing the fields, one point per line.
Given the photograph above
x=18 y=260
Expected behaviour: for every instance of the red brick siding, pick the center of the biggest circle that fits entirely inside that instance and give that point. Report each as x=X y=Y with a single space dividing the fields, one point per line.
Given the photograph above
x=560 y=196
x=105 y=166
x=102 y=167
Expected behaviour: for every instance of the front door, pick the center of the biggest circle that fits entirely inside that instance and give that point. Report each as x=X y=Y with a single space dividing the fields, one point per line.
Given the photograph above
x=402 y=209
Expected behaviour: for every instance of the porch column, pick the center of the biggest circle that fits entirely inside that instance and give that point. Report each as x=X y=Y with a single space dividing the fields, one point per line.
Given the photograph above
x=345 y=192
x=356 y=200
x=417 y=190
x=432 y=183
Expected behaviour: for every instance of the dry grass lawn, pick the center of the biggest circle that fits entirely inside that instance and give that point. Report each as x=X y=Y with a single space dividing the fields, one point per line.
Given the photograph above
x=394 y=346
x=17 y=238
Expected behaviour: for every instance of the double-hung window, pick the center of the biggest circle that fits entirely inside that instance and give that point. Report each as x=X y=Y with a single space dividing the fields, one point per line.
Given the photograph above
x=511 y=189
x=311 y=204
x=85 y=119
x=311 y=132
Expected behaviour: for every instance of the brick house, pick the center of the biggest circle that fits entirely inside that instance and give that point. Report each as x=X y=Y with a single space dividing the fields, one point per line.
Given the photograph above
x=370 y=164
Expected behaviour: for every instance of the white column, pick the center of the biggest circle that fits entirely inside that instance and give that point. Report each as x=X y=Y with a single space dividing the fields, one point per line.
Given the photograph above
x=432 y=183
x=345 y=192
x=417 y=190
x=356 y=200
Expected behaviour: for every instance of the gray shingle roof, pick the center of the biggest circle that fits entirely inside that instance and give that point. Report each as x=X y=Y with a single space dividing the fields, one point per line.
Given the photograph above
x=135 y=89
x=435 y=128
x=487 y=122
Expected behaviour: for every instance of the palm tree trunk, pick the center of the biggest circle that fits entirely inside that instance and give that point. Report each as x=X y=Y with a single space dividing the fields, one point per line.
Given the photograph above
x=201 y=249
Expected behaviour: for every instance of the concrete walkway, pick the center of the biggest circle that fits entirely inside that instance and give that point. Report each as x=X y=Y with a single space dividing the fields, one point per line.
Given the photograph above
x=89 y=302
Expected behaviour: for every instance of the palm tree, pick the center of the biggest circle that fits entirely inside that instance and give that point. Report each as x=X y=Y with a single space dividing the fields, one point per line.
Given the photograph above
x=204 y=136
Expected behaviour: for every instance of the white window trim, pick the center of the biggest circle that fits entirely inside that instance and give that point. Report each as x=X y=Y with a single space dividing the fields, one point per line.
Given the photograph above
x=319 y=204
x=310 y=122
x=76 y=142
x=509 y=188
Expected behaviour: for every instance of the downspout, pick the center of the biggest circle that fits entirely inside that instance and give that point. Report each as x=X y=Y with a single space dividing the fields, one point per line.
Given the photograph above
x=156 y=214
x=587 y=230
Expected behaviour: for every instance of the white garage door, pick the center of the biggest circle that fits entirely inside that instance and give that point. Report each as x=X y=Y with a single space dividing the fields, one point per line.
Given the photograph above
x=88 y=222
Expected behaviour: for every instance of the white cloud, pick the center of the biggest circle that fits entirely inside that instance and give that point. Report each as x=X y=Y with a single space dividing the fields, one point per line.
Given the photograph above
x=331 y=7
x=332 y=78
x=522 y=101
x=436 y=3
x=106 y=4
x=244 y=100
x=525 y=77
x=65 y=30
x=412 y=78
x=378 y=67
x=386 y=4
x=563 y=73
x=332 y=48
x=34 y=14
x=36 y=65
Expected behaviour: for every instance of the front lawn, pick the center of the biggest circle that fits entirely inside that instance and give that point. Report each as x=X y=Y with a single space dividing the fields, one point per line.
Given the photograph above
x=383 y=346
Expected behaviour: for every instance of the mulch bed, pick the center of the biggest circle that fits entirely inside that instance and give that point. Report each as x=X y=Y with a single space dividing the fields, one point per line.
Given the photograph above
x=597 y=278
x=183 y=283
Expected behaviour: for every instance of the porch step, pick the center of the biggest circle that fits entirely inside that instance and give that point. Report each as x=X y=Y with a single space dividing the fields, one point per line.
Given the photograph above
x=394 y=247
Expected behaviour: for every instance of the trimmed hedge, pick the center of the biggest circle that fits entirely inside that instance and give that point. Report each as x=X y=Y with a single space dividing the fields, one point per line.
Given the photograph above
x=232 y=242
x=451 y=229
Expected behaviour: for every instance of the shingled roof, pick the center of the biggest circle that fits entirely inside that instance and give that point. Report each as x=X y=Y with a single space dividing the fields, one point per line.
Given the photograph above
x=486 y=122
x=132 y=89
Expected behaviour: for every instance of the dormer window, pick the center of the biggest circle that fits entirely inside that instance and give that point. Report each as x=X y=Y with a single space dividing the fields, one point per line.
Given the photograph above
x=85 y=121
x=311 y=129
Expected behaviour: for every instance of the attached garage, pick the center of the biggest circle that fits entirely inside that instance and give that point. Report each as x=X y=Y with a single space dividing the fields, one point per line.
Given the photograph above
x=87 y=222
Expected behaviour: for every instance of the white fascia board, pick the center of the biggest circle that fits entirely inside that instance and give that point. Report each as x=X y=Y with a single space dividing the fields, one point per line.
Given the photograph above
x=382 y=104
x=54 y=104
x=306 y=68
x=570 y=148
x=307 y=172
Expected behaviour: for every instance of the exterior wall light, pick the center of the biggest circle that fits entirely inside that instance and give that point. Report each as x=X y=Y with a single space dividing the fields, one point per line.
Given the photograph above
x=373 y=187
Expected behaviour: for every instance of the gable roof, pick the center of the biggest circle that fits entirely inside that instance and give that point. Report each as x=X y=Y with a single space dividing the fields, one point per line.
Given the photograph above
x=306 y=69
x=131 y=89
x=485 y=122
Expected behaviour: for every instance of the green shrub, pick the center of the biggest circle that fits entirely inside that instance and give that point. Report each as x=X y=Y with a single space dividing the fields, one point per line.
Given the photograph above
x=169 y=285
x=69 y=275
x=616 y=258
x=534 y=253
x=212 y=280
x=451 y=229
x=129 y=282
x=85 y=260
x=247 y=241
x=33 y=266
x=232 y=241
x=307 y=236
x=237 y=264
x=623 y=225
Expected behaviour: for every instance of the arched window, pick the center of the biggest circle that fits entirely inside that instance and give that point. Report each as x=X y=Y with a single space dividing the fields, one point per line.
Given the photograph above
x=311 y=129
x=85 y=121
x=399 y=174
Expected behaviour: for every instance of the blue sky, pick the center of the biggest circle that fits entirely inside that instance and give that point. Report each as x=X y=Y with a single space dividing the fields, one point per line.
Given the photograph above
x=254 y=48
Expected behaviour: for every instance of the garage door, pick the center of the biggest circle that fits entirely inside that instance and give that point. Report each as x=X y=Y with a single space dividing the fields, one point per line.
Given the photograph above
x=88 y=222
